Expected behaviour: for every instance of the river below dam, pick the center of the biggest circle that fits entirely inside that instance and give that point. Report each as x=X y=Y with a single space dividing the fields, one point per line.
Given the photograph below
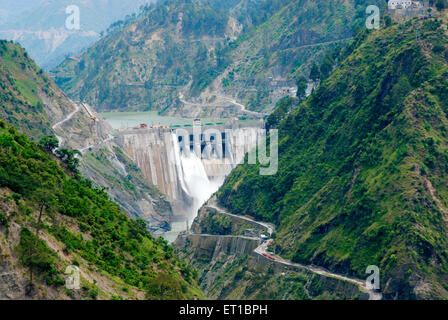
x=176 y=229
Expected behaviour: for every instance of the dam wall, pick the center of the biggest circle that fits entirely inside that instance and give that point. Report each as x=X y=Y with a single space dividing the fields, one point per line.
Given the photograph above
x=187 y=165
x=209 y=247
x=153 y=151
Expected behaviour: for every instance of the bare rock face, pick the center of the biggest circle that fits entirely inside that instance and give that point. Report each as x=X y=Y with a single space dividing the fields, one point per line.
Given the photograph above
x=11 y=286
x=77 y=126
x=14 y=279
x=110 y=167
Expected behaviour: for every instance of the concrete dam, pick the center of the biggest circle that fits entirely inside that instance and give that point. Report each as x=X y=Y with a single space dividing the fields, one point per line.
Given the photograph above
x=188 y=165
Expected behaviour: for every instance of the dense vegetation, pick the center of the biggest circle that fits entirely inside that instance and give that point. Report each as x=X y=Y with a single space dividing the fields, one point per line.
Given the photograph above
x=84 y=219
x=20 y=83
x=363 y=165
x=282 y=109
x=217 y=224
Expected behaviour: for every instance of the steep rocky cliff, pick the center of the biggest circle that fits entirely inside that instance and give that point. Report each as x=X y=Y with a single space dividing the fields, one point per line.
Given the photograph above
x=223 y=248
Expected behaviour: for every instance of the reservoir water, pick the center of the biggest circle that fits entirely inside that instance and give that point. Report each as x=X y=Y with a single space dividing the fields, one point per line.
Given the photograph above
x=132 y=119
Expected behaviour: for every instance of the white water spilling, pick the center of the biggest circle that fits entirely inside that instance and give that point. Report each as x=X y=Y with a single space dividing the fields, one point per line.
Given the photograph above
x=187 y=179
x=193 y=178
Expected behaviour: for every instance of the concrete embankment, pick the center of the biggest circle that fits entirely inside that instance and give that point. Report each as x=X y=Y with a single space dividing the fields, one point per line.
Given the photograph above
x=237 y=266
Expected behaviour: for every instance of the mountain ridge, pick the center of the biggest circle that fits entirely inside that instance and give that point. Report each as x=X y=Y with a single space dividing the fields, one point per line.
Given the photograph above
x=250 y=55
x=361 y=166
x=51 y=219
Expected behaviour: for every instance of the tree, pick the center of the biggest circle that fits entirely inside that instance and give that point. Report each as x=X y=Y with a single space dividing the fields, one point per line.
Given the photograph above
x=388 y=21
x=302 y=85
x=326 y=67
x=69 y=158
x=45 y=198
x=49 y=143
x=314 y=73
x=440 y=5
x=34 y=253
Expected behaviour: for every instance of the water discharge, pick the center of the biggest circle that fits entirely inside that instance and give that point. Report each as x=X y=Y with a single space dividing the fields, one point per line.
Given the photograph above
x=187 y=166
x=193 y=178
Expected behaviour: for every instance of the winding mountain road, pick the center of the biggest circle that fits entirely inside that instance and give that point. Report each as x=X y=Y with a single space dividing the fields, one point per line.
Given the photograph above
x=263 y=251
x=221 y=97
x=109 y=138
x=68 y=118
x=243 y=107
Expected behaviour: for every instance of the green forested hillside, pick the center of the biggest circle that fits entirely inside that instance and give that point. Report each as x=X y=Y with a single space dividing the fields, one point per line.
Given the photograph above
x=60 y=219
x=363 y=166
x=142 y=66
x=231 y=48
x=21 y=82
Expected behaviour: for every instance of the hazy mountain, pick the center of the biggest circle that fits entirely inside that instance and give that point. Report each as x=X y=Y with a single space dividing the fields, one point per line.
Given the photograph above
x=40 y=25
x=11 y=9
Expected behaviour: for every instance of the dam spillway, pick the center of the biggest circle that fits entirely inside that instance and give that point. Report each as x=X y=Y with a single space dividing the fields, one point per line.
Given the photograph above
x=187 y=165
